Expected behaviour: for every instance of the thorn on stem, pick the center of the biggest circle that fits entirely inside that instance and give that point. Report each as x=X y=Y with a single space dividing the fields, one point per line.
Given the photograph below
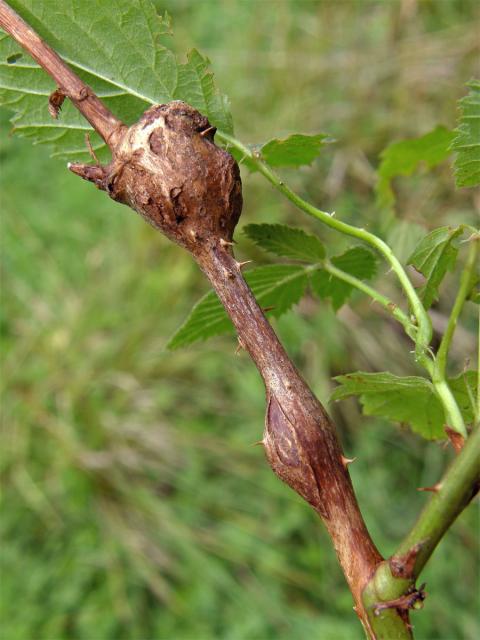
x=240 y=265
x=226 y=243
x=347 y=461
x=211 y=130
x=240 y=346
x=434 y=488
x=270 y=308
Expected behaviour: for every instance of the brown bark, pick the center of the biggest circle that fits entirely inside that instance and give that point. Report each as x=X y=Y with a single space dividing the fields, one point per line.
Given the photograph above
x=299 y=438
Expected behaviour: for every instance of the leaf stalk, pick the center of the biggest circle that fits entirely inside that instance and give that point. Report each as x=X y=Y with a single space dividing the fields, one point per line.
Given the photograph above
x=424 y=330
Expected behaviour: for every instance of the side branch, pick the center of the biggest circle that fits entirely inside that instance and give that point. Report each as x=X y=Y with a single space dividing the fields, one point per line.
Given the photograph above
x=459 y=485
x=69 y=84
x=391 y=590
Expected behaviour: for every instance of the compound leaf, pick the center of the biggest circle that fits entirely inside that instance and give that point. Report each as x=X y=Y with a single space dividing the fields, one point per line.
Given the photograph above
x=279 y=286
x=195 y=85
x=294 y=151
x=410 y=400
x=116 y=48
x=434 y=255
x=287 y=242
x=402 y=159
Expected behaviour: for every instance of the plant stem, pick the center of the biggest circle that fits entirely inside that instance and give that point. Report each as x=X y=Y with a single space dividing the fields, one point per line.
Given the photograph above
x=477 y=406
x=438 y=372
x=463 y=291
x=459 y=485
x=97 y=114
x=453 y=414
x=385 y=302
x=395 y=578
x=300 y=440
x=424 y=333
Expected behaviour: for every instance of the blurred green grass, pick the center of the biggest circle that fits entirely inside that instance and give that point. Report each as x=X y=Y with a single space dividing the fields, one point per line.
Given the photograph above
x=134 y=505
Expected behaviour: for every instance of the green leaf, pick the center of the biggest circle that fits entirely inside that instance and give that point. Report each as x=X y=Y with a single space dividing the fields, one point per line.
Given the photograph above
x=467 y=141
x=358 y=262
x=116 y=48
x=195 y=85
x=207 y=318
x=279 y=285
x=410 y=400
x=287 y=242
x=294 y=151
x=434 y=255
x=402 y=159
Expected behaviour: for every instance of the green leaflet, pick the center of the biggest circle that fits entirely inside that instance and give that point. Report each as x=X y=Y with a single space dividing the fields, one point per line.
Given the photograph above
x=195 y=85
x=287 y=242
x=100 y=41
x=467 y=141
x=290 y=242
x=402 y=159
x=278 y=285
x=296 y=150
x=434 y=255
x=358 y=262
x=409 y=399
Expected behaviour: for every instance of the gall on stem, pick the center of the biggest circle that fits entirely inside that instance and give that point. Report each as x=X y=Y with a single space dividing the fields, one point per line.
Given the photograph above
x=168 y=169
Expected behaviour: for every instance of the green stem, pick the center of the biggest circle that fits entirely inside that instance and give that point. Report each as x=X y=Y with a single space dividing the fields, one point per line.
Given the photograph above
x=457 y=488
x=477 y=411
x=424 y=333
x=463 y=291
x=452 y=412
x=438 y=373
x=387 y=304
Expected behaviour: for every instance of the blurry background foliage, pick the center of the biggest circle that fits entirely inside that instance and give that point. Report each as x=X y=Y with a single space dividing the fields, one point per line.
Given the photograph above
x=134 y=505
